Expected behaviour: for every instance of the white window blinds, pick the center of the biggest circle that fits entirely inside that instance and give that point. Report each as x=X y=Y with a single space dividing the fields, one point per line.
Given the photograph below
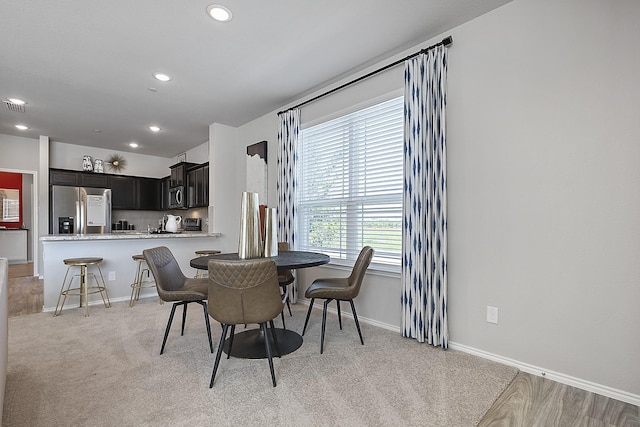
x=350 y=184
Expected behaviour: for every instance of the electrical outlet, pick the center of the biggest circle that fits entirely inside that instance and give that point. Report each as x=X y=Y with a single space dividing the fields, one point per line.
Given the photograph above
x=112 y=276
x=492 y=314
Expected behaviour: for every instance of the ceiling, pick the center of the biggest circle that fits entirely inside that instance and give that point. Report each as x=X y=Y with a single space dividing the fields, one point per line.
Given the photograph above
x=85 y=67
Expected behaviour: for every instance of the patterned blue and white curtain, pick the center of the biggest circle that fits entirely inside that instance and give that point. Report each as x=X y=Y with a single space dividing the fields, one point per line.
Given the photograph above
x=288 y=130
x=424 y=230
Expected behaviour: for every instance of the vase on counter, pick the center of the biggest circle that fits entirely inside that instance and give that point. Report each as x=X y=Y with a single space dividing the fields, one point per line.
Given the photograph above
x=249 y=240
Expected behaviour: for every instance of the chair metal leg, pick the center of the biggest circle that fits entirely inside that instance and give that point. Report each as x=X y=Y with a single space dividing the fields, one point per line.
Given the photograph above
x=166 y=332
x=283 y=324
x=206 y=321
x=308 y=314
x=218 y=354
x=268 y=349
x=324 y=322
x=275 y=338
x=355 y=317
x=339 y=315
x=233 y=332
x=184 y=316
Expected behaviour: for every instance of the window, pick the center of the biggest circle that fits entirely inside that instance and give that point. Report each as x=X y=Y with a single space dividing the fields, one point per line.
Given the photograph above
x=350 y=179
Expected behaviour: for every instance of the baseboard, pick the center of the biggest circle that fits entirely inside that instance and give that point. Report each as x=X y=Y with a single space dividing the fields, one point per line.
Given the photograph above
x=525 y=367
x=603 y=390
x=99 y=302
x=348 y=314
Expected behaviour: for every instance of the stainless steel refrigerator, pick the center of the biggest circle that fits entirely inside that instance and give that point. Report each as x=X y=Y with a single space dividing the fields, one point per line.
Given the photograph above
x=80 y=210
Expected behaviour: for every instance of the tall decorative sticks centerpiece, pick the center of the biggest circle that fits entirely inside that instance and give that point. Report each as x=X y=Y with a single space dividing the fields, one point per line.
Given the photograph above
x=249 y=245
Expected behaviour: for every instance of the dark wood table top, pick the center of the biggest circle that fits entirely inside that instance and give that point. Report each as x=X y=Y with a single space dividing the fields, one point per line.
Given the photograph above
x=284 y=260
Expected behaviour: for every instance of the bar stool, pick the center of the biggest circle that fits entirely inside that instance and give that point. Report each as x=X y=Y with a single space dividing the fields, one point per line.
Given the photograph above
x=139 y=281
x=204 y=252
x=83 y=290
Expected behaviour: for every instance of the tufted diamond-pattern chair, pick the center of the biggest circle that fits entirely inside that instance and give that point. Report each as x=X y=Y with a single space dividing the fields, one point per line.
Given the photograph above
x=244 y=292
x=174 y=286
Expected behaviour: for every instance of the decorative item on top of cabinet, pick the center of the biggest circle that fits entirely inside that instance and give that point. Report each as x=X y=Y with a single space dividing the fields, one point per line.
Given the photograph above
x=116 y=163
x=87 y=164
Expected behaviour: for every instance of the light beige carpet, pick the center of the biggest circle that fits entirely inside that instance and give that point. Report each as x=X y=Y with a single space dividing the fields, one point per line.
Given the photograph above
x=105 y=370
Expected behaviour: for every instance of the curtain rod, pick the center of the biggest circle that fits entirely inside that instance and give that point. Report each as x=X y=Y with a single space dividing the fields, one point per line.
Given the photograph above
x=445 y=42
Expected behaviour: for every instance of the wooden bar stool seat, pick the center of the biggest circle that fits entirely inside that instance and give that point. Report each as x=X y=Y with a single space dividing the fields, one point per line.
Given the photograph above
x=139 y=280
x=84 y=289
x=205 y=252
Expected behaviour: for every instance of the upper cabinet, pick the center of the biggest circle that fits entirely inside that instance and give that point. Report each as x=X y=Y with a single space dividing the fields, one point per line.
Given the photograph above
x=76 y=178
x=149 y=194
x=178 y=176
x=198 y=186
x=127 y=192
x=64 y=177
x=123 y=192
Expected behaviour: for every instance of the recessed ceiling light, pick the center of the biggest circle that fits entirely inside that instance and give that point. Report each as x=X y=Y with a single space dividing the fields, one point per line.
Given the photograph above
x=133 y=144
x=163 y=77
x=22 y=127
x=154 y=129
x=219 y=13
x=152 y=89
x=17 y=101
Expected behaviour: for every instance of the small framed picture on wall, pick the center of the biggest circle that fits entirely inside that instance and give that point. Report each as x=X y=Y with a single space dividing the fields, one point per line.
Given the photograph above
x=182 y=157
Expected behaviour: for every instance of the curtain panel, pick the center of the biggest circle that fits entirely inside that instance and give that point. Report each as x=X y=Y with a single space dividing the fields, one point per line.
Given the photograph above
x=424 y=229
x=288 y=131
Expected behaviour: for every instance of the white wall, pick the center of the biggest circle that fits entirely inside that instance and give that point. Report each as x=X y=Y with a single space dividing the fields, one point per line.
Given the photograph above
x=226 y=184
x=543 y=190
x=199 y=154
x=18 y=153
x=544 y=186
x=69 y=156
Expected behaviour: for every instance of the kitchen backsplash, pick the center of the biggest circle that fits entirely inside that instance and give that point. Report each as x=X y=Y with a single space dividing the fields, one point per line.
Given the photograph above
x=140 y=219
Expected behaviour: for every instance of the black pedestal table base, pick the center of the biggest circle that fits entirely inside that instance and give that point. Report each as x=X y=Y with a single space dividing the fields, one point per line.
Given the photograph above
x=250 y=344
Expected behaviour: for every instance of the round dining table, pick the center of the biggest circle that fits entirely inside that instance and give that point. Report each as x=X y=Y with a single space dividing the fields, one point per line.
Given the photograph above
x=250 y=344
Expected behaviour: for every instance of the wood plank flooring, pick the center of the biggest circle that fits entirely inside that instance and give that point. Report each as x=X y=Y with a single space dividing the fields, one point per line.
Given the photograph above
x=25 y=292
x=529 y=401
x=534 y=401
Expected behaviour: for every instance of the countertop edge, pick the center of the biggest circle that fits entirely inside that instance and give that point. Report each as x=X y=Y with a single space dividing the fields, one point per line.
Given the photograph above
x=123 y=236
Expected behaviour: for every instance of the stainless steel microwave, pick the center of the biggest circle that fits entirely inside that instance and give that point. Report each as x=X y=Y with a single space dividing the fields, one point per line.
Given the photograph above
x=177 y=198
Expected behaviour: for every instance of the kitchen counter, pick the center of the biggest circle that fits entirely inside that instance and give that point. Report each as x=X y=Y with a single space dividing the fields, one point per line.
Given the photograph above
x=13 y=244
x=123 y=235
x=118 y=267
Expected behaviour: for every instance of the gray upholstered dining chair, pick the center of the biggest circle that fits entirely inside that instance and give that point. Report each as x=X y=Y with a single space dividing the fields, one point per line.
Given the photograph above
x=285 y=278
x=339 y=289
x=174 y=286
x=244 y=292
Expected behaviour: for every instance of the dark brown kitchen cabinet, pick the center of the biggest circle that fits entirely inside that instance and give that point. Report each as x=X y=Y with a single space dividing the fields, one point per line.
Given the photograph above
x=198 y=186
x=63 y=177
x=179 y=174
x=127 y=192
x=123 y=194
x=148 y=194
x=165 y=185
x=96 y=180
